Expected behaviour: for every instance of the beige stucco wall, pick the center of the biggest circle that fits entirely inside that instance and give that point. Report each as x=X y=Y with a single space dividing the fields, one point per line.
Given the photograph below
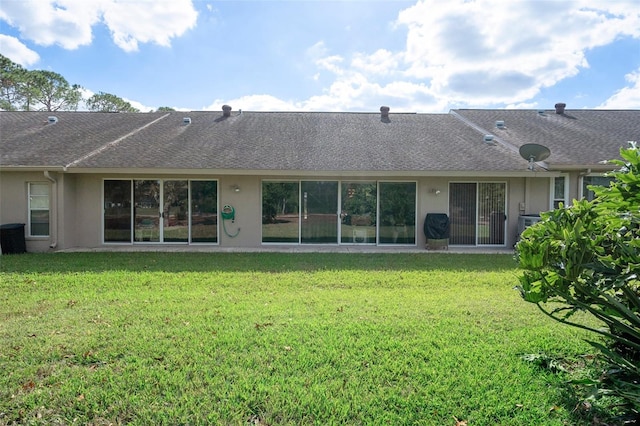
x=79 y=203
x=14 y=204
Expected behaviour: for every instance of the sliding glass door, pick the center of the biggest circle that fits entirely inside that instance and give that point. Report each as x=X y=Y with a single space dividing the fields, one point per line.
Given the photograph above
x=397 y=213
x=175 y=211
x=477 y=213
x=358 y=212
x=117 y=211
x=319 y=223
x=146 y=210
x=159 y=211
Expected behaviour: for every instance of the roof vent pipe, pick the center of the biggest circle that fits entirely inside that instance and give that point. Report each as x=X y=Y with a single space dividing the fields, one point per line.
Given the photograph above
x=560 y=108
x=384 y=111
x=226 y=111
x=52 y=119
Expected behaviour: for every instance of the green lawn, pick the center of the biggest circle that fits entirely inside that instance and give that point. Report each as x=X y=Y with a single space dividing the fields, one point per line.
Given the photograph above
x=277 y=339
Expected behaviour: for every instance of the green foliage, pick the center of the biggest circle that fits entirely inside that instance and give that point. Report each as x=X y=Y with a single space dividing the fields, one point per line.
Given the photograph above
x=12 y=78
x=21 y=89
x=49 y=91
x=586 y=258
x=24 y=90
x=106 y=102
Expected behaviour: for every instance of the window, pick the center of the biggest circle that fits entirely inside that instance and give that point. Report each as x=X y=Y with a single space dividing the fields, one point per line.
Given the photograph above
x=558 y=192
x=39 y=209
x=593 y=180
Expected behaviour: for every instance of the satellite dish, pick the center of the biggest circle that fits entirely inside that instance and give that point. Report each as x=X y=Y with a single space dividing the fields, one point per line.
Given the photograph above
x=533 y=152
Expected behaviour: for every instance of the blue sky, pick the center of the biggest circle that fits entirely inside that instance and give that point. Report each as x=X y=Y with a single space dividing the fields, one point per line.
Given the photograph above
x=416 y=56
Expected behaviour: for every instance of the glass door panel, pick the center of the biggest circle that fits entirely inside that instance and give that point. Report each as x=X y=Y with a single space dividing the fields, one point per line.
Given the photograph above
x=146 y=201
x=204 y=211
x=319 y=214
x=397 y=213
x=117 y=211
x=280 y=213
x=175 y=212
x=358 y=213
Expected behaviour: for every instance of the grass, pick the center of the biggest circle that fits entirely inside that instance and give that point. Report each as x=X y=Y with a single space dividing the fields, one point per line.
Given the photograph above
x=277 y=339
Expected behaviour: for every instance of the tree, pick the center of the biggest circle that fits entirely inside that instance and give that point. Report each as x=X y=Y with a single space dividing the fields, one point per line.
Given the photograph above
x=165 y=109
x=49 y=91
x=586 y=258
x=106 y=102
x=12 y=79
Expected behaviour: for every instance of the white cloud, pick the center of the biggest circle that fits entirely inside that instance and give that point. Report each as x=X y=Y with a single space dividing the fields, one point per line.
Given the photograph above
x=15 y=50
x=154 y=21
x=68 y=23
x=474 y=53
x=381 y=62
x=627 y=97
x=46 y=22
x=491 y=51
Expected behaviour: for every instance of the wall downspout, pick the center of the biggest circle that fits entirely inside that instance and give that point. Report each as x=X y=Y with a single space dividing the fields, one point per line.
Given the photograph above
x=54 y=212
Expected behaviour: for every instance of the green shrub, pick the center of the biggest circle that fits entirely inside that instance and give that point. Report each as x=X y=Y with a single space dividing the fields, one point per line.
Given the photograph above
x=587 y=258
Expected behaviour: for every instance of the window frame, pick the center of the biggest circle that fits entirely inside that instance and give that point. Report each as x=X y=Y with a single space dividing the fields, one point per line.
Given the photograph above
x=552 y=191
x=582 y=188
x=30 y=209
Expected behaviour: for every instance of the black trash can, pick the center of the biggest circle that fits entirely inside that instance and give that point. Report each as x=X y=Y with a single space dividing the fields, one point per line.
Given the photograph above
x=12 y=238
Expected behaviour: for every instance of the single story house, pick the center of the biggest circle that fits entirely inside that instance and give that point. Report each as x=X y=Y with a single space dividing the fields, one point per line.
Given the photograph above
x=254 y=179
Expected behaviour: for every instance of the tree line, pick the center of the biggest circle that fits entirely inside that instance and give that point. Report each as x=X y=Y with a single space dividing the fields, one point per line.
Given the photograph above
x=41 y=90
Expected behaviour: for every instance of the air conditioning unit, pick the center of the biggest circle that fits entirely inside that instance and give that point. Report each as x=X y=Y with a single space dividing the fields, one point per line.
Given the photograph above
x=526 y=220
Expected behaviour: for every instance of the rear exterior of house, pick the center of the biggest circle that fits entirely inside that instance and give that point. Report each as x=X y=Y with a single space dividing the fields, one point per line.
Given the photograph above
x=260 y=179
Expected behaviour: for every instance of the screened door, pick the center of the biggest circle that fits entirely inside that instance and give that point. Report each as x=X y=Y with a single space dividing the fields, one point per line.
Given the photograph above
x=477 y=213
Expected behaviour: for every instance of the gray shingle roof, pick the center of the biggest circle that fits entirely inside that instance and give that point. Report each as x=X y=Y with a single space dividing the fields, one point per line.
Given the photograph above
x=27 y=138
x=577 y=137
x=307 y=141
x=311 y=141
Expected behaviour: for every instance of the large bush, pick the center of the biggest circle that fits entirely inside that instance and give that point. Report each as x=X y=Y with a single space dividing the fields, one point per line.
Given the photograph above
x=587 y=258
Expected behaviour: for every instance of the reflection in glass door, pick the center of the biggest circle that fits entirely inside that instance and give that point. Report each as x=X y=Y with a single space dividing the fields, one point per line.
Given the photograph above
x=175 y=211
x=146 y=211
x=117 y=211
x=155 y=210
x=358 y=213
x=319 y=215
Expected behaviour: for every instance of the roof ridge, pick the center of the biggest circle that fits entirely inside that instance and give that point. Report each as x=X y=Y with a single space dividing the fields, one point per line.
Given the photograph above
x=114 y=142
